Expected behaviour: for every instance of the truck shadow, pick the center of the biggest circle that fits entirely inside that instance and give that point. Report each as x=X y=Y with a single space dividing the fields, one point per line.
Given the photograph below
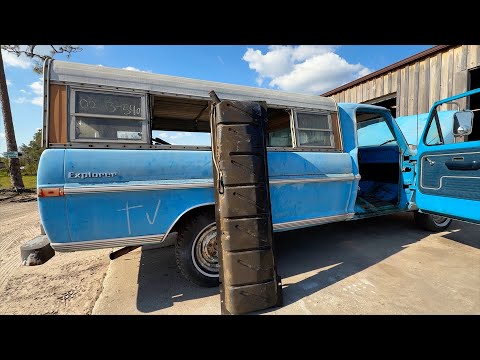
x=308 y=261
x=160 y=283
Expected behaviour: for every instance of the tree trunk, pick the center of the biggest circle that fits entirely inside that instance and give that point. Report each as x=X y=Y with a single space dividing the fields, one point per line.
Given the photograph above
x=14 y=168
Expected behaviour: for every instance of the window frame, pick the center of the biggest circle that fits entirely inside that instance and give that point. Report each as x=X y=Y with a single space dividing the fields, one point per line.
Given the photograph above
x=434 y=117
x=72 y=115
x=297 y=129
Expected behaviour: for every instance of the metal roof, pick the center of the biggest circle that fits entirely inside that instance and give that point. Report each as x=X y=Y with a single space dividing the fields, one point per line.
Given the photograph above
x=71 y=72
x=398 y=64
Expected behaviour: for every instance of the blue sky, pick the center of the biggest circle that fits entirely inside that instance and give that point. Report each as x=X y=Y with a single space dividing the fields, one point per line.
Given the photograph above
x=310 y=69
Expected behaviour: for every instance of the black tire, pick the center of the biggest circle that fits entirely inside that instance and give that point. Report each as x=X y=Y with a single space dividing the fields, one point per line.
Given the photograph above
x=193 y=229
x=431 y=223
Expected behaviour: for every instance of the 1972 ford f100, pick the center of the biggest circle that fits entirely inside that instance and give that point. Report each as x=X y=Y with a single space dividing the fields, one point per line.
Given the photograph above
x=108 y=179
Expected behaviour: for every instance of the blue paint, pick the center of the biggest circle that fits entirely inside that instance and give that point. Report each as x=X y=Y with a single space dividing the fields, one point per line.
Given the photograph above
x=108 y=217
x=95 y=216
x=446 y=200
x=412 y=132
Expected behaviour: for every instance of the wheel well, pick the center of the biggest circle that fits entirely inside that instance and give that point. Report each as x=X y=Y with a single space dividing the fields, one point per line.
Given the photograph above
x=188 y=213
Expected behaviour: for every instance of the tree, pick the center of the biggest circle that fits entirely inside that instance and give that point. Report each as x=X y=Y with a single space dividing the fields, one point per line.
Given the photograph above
x=31 y=153
x=38 y=53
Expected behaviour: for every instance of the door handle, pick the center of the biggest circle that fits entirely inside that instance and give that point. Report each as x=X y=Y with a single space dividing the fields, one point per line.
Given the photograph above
x=463 y=165
x=431 y=162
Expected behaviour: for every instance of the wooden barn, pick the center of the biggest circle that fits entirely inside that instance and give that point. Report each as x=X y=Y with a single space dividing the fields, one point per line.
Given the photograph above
x=412 y=85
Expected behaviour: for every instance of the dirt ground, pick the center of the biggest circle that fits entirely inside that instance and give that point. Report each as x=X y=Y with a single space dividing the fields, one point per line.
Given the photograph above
x=372 y=266
x=69 y=283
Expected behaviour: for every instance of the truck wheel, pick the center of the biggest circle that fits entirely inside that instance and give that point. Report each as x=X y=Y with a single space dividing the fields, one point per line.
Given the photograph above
x=433 y=223
x=196 y=249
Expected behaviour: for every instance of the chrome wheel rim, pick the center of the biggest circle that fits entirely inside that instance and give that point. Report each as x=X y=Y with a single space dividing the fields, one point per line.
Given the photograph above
x=205 y=251
x=440 y=220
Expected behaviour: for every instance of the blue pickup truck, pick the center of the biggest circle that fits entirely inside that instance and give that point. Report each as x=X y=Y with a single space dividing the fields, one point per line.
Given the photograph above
x=112 y=175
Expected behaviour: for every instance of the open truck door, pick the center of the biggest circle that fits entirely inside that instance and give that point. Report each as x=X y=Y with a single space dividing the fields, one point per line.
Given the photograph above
x=448 y=171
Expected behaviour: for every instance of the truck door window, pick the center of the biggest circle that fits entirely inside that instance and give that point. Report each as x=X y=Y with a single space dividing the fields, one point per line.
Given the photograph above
x=434 y=133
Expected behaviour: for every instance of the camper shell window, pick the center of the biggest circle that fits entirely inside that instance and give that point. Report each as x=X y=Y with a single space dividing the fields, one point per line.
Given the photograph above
x=314 y=129
x=108 y=116
x=169 y=121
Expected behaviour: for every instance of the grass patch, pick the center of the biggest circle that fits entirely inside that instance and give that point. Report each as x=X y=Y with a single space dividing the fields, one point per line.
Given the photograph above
x=30 y=181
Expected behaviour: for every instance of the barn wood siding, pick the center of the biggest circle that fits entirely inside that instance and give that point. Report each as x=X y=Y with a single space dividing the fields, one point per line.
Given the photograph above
x=419 y=84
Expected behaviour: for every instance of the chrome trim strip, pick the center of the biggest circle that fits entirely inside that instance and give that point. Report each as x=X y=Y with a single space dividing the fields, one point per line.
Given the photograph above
x=329 y=178
x=195 y=185
x=107 y=243
x=121 y=188
x=312 y=222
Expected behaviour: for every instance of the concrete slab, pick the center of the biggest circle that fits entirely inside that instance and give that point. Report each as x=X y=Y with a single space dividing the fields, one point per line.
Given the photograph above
x=381 y=265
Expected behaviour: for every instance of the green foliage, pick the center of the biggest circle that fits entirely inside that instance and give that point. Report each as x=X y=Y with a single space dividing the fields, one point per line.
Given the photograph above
x=30 y=181
x=4 y=161
x=31 y=154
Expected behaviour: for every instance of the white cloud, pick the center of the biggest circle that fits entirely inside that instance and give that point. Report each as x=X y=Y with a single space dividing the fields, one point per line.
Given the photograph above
x=20 y=100
x=98 y=47
x=175 y=137
x=310 y=69
x=131 y=68
x=13 y=60
x=220 y=59
x=179 y=135
x=38 y=100
x=37 y=88
x=2 y=135
x=9 y=83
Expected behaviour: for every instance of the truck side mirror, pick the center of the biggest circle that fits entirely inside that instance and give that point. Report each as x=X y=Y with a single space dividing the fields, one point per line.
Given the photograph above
x=462 y=123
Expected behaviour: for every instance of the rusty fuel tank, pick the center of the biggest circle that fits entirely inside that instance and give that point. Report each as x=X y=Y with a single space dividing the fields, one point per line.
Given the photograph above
x=248 y=274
